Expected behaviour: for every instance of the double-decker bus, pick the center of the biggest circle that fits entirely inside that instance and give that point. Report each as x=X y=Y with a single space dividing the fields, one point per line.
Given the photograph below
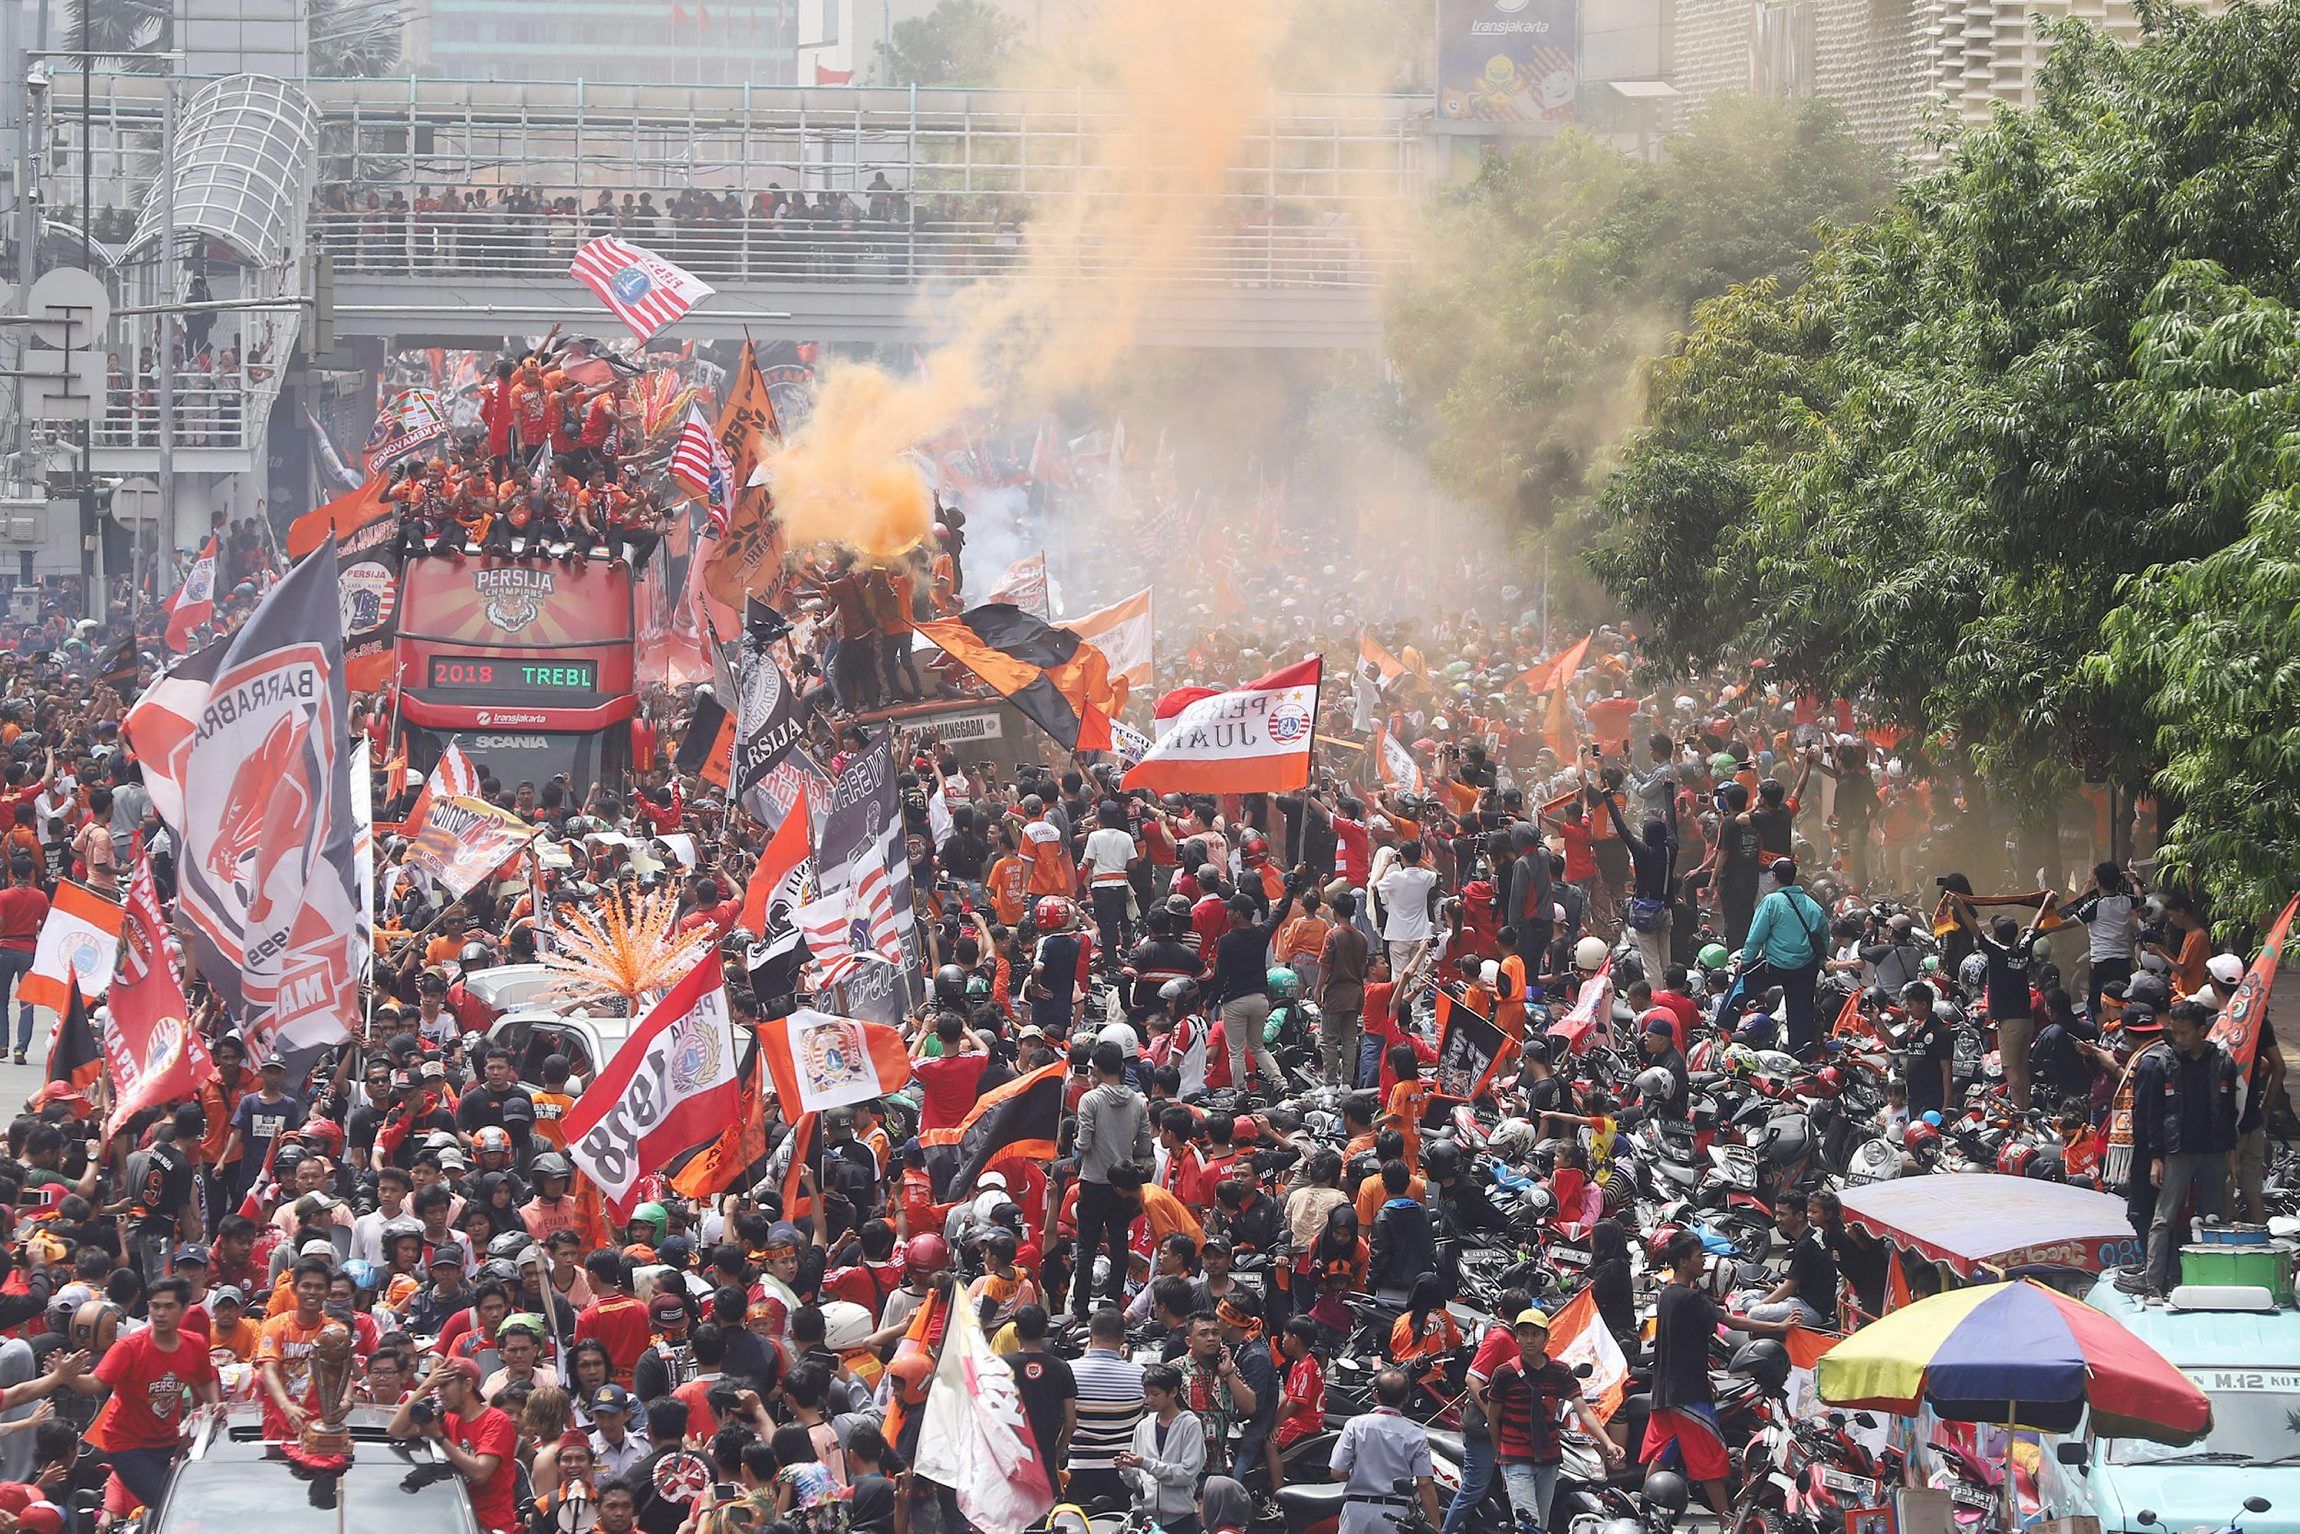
x=525 y=664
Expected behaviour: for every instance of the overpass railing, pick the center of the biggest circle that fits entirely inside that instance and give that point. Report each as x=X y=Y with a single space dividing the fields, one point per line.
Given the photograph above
x=496 y=244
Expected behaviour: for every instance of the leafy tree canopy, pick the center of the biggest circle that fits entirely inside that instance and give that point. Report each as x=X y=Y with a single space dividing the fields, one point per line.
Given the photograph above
x=959 y=42
x=1542 y=286
x=2012 y=462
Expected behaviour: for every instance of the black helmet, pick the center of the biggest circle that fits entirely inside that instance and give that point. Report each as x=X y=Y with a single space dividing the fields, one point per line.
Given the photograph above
x=1179 y=994
x=950 y=986
x=1763 y=1360
x=498 y=1270
x=1666 y=1488
x=509 y=1245
x=549 y=1164
x=1442 y=1159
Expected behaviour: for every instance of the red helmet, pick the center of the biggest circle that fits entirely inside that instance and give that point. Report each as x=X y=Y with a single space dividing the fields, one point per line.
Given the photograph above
x=1828 y=1081
x=1657 y=1244
x=926 y=1254
x=2015 y=1158
x=1922 y=1141
x=1052 y=913
x=912 y=1370
x=325 y=1132
x=1254 y=851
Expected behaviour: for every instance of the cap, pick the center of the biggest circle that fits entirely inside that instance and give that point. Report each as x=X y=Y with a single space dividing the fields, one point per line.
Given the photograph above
x=317 y=1246
x=1243 y=1127
x=2140 y=1018
x=2225 y=969
x=1659 y=1020
x=192 y=1252
x=41 y=1518
x=1534 y=1317
x=611 y=1398
x=667 y=1307
x=227 y=1294
x=781 y=1234
x=468 y=1368
x=275 y=1063
x=435 y=1069
x=445 y=1257
x=1029 y=1031
x=993 y=1179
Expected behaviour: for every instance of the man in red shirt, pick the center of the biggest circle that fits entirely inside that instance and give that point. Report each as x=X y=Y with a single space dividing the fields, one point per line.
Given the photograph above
x=148 y=1374
x=481 y=1442
x=951 y=1080
x=22 y=909
x=616 y=1318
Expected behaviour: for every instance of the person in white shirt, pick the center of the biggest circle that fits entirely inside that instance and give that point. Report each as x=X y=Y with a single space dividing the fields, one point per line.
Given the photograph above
x=1110 y=855
x=1408 y=893
x=392 y=1186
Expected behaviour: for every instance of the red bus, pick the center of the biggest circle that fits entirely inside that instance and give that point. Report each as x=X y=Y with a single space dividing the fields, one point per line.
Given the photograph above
x=526 y=665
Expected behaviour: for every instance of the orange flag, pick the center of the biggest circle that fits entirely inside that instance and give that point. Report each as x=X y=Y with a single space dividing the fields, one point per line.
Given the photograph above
x=713 y=1169
x=1557 y=731
x=591 y=1214
x=1896 y=1282
x=1556 y=671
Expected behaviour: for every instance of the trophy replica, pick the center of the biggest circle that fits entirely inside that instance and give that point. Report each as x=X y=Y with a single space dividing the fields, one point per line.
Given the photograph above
x=325 y=1444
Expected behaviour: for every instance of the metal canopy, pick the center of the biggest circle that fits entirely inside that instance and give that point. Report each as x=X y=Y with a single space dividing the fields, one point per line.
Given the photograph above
x=244 y=158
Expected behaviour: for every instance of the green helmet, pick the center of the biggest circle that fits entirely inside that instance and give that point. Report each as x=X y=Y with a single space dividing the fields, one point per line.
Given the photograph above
x=1284 y=984
x=1714 y=956
x=977 y=985
x=655 y=1215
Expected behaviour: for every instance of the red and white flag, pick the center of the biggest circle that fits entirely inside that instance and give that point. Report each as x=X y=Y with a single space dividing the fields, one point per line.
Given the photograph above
x=701 y=465
x=673 y=1086
x=845 y=928
x=80 y=939
x=1577 y=1335
x=1254 y=740
x=1394 y=761
x=151 y=1050
x=1167 y=711
x=647 y=293
x=195 y=600
x=1592 y=1014
x=453 y=778
x=974 y=1437
x=819 y=1061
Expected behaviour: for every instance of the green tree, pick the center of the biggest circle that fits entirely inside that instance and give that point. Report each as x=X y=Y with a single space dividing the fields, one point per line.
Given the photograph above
x=959 y=42
x=1544 y=285
x=129 y=31
x=1929 y=474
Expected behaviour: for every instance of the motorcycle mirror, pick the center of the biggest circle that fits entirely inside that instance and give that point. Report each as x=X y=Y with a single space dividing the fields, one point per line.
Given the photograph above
x=1864 y=1419
x=1581 y=1372
x=2147 y=1515
x=2072 y=1451
x=2256 y=1504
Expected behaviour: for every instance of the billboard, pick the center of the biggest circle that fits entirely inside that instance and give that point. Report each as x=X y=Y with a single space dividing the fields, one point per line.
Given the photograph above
x=1507 y=62
x=491 y=643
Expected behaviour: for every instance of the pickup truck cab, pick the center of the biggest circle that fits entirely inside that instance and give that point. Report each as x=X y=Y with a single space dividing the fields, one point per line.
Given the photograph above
x=2247 y=1359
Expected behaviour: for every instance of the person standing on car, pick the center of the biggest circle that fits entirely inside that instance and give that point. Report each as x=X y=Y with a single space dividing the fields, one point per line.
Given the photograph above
x=481 y=1442
x=2184 y=1126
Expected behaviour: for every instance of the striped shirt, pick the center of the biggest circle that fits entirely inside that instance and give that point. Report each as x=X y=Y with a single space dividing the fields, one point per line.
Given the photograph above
x=1109 y=1404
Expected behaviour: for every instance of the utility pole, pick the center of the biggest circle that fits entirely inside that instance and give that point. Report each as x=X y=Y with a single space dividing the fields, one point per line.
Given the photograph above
x=164 y=525
x=90 y=535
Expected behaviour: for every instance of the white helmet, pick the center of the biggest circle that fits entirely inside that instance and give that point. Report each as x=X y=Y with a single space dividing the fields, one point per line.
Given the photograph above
x=1589 y=955
x=1511 y=1138
x=1655 y=1083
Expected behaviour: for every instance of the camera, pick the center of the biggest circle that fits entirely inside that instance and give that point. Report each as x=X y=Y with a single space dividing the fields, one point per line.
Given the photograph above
x=423 y=1412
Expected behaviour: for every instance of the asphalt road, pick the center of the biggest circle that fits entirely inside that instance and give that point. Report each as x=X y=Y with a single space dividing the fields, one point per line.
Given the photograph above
x=18 y=1082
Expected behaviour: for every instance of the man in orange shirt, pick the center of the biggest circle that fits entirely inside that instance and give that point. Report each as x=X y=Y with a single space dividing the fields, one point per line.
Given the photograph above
x=284 y=1351
x=1051 y=871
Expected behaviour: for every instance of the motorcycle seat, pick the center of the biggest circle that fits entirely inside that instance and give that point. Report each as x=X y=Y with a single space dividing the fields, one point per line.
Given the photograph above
x=1640 y=1403
x=1312 y=1501
x=1447 y=1444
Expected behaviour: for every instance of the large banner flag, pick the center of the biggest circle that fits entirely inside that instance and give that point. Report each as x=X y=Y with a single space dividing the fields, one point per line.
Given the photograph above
x=974 y=1437
x=79 y=943
x=462 y=841
x=2243 y=1015
x=1471 y=1048
x=861 y=862
x=366 y=528
x=768 y=724
x=1555 y=672
x=726 y=1162
x=151 y=1050
x=819 y=1061
x=1394 y=761
x=1254 y=740
x=1369 y=679
x=674 y=1085
x=1168 y=710
x=453 y=777
x=246 y=758
x=646 y=292
x=194 y=602
x=747 y=556
x=411 y=422
x=707 y=750
x=1126 y=633
x=1057 y=679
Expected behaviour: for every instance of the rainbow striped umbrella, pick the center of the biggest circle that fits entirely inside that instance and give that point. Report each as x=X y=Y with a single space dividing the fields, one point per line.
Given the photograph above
x=2016 y=1353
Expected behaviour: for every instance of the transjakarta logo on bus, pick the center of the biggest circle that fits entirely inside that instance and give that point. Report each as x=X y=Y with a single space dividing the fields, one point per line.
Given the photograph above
x=513 y=598
x=487 y=717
